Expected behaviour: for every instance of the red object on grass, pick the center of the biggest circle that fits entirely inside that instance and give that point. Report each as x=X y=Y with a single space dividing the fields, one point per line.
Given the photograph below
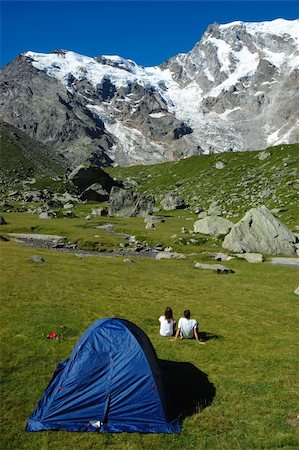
x=52 y=336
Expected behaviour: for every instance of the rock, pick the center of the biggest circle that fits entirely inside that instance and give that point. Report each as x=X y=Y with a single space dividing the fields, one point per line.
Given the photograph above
x=219 y=165
x=213 y=225
x=2 y=221
x=47 y=215
x=170 y=255
x=100 y=212
x=88 y=217
x=68 y=206
x=69 y=213
x=213 y=267
x=33 y=196
x=264 y=155
x=84 y=176
x=150 y=226
x=276 y=211
x=215 y=209
x=65 y=198
x=37 y=259
x=95 y=193
x=202 y=214
x=223 y=257
x=198 y=210
x=259 y=231
x=126 y=203
x=296 y=291
x=251 y=257
x=154 y=219
x=128 y=261
x=173 y=201
x=184 y=230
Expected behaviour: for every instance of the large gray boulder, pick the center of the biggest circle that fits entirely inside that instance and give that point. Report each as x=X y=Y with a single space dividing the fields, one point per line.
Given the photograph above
x=213 y=225
x=260 y=232
x=173 y=201
x=126 y=203
x=84 y=176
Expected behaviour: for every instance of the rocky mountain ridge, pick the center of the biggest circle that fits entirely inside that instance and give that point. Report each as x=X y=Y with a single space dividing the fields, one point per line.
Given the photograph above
x=237 y=89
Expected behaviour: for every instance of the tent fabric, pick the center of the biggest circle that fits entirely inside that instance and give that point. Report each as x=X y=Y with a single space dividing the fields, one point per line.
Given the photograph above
x=112 y=382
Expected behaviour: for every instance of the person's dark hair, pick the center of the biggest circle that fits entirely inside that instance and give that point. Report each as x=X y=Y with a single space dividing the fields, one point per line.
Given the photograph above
x=168 y=313
x=187 y=314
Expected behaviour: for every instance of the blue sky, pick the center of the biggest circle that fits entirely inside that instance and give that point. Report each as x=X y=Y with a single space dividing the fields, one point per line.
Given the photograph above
x=146 y=31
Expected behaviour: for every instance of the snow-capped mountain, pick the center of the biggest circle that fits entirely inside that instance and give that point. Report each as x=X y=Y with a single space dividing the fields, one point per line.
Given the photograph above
x=237 y=89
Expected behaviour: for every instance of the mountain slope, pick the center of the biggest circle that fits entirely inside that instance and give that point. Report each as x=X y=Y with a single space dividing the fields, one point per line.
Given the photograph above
x=21 y=156
x=237 y=89
x=238 y=181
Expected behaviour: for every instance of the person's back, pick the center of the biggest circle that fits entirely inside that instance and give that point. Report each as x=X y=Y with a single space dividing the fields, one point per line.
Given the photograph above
x=186 y=327
x=167 y=323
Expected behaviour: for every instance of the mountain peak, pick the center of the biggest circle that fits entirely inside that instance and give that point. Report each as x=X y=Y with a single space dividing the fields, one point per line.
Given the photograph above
x=237 y=89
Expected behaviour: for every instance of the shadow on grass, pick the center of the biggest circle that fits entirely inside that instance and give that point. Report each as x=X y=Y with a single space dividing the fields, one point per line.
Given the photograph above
x=187 y=388
x=206 y=336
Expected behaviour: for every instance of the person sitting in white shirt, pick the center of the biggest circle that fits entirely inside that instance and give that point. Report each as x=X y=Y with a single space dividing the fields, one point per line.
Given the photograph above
x=188 y=328
x=167 y=323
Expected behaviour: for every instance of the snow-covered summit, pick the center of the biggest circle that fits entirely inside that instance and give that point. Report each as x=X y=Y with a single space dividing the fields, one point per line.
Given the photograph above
x=236 y=89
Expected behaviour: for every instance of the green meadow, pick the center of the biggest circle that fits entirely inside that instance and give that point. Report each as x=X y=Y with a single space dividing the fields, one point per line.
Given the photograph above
x=250 y=359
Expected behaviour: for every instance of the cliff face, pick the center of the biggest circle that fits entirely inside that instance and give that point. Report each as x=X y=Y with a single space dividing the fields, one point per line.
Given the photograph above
x=237 y=89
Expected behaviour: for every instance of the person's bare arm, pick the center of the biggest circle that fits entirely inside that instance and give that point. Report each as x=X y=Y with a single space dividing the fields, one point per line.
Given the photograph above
x=176 y=334
x=197 y=337
x=196 y=334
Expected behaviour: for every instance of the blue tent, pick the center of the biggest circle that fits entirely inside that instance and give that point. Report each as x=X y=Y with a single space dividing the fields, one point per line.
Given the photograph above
x=111 y=383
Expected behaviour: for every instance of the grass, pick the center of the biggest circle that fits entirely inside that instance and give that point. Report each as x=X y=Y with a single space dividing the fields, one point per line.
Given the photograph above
x=251 y=361
x=252 y=365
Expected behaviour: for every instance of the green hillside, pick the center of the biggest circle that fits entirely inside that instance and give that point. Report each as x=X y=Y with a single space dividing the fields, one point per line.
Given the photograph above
x=21 y=156
x=244 y=182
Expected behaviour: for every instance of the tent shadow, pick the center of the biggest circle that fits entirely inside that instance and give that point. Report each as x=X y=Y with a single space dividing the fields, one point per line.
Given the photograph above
x=188 y=389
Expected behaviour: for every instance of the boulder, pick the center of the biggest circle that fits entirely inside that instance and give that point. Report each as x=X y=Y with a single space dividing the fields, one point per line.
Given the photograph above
x=215 y=209
x=95 y=193
x=214 y=268
x=64 y=198
x=2 y=220
x=219 y=165
x=170 y=255
x=150 y=226
x=202 y=214
x=264 y=155
x=222 y=257
x=173 y=201
x=47 y=215
x=126 y=203
x=213 y=225
x=154 y=219
x=259 y=231
x=296 y=291
x=32 y=196
x=251 y=257
x=84 y=176
x=99 y=212
x=37 y=259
